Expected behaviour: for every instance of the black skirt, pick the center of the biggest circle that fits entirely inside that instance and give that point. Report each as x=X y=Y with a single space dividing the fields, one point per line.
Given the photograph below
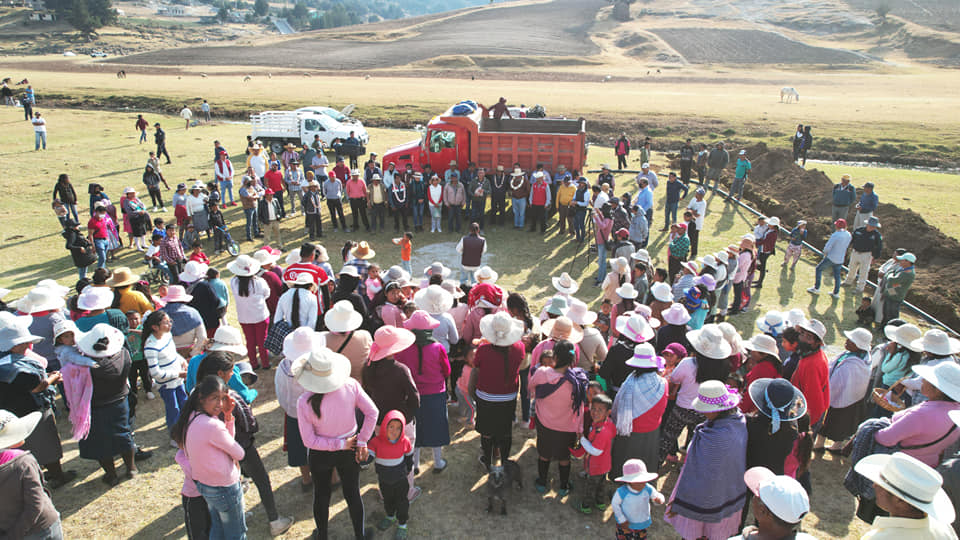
x=554 y=445
x=44 y=442
x=495 y=418
x=110 y=433
x=840 y=424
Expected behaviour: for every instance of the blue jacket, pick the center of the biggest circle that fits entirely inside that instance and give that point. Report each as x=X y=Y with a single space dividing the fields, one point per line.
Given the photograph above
x=674 y=188
x=844 y=196
x=743 y=167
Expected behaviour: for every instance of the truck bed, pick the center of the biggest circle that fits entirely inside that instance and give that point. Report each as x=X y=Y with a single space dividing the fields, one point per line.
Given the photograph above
x=531 y=125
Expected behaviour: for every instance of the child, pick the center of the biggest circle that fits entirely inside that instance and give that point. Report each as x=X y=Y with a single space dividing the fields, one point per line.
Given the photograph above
x=215 y=217
x=373 y=282
x=594 y=388
x=603 y=319
x=865 y=313
x=139 y=362
x=189 y=237
x=631 y=501
x=394 y=459
x=221 y=290
x=158 y=227
x=464 y=403
x=166 y=367
x=75 y=369
x=153 y=259
x=65 y=336
x=597 y=442
x=406 y=250
x=797 y=463
x=197 y=254
x=60 y=210
x=795 y=245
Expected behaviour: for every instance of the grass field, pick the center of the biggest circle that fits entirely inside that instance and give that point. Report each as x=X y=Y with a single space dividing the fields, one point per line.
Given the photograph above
x=102 y=147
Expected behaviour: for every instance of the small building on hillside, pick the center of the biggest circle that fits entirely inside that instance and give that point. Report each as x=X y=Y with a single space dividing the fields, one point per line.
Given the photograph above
x=42 y=16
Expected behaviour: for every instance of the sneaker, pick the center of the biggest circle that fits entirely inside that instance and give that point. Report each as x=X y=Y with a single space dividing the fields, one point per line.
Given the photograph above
x=835 y=295
x=540 y=486
x=401 y=533
x=151 y=395
x=142 y=455
x=386 y=523
x=813 y=290
x=233 y=203
x=601 y=506
x=162 y=209
x=584 y=509
x=439 y=466
x=280 y=525
x=563 y=491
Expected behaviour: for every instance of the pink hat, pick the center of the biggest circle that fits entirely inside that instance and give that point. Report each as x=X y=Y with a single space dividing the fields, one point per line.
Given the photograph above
x=635 y=470
x=421 y=320
x=389 y=340
x=176 y=293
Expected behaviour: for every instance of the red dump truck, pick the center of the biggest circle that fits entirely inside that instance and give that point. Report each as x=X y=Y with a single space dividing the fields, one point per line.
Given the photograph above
x=487 y=142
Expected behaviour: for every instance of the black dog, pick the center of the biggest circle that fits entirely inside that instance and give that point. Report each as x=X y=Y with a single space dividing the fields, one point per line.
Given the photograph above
x=499 y=480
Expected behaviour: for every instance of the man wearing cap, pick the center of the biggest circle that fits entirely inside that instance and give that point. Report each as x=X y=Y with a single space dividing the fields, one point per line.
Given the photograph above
x=717 y=160
x=866 y=243
x=834 y=252
x=779 y=504
x=812 y=376
x=539 y=202
x=313 y=220
x=499 y=182
x=451 y=172
x=673 y=187
x=606 y=177
x=843 y=196
x=160 y=137
x=896 y=283
x=519 y=191
x=650 y=176
x=867 y=205
x=697 y=207
x=454 y=197
x=294 y=180
x=357 y=193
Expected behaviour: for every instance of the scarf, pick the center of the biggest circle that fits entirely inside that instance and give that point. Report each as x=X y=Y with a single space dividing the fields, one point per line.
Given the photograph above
x=423 y=339
x=577 y=378
x=637 y=395
x=485 y=291
x=78 y=391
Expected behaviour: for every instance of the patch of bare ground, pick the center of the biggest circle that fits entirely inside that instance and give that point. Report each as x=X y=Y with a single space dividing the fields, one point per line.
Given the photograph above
x=729 y=46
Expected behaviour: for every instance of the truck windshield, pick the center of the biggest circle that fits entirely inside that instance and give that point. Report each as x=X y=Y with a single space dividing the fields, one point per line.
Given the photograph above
x=311 y=124
x=442 y=139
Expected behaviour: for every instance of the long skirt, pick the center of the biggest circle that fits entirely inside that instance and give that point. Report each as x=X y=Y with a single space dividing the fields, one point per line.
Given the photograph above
x=110 y=433
x=44 y=442
x=495 y=418
x=201 y=221
x=691 y=528
x=432 y=427
x=841 y=423
x=643 y=446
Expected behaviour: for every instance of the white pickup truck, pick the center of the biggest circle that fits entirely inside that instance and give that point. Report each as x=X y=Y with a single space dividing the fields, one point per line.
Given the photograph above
x=277 y=128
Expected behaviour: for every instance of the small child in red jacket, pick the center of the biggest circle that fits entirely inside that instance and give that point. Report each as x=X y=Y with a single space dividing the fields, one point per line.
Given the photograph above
x=595 y=445
x=393 y=455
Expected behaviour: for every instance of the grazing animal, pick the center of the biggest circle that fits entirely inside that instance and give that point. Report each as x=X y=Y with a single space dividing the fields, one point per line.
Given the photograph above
x=499 y=481
x=366 y=77
x=790 y=93
x=23 y=82
x=204 y=75
x=269 y=75
x=307 y=75
x=121 y=74
x=247 y=78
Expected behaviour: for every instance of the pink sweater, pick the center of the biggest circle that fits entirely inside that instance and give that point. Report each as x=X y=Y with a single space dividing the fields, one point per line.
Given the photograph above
x=436 y=368
x=212 y=451
x=189 y=486
x=919 y=425
x=337 y=422
x=556 y=410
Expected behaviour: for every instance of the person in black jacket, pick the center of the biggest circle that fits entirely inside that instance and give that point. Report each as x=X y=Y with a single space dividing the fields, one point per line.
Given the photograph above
x=80 y=248
x=268 y=211
x=64 y=191
x=160 y=137
x=349 y=280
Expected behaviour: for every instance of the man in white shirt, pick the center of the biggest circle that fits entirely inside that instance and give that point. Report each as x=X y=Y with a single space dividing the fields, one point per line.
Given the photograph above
x=39 y=132
x=698 y=207
x=187 y=115
x=257 y=160
x=319 y=166
x=223 y=172
x=205 y=109
x=651 y=176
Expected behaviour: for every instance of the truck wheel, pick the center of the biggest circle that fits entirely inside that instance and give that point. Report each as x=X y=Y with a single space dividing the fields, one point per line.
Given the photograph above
x=276 y=146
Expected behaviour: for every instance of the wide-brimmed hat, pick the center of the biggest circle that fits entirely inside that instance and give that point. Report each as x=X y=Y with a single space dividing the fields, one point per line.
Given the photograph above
x=349 y=270
x=321 y=370
x=782 y=495
x=193 y=271
x=690 y=266
x=321 y=254
x=945 y=376
x=516 y=172
x=389 y=340
x=299 y=278
x=795 y=316
x=661 y=291
x=501 y=329
x=634 y=327
x=645 y=356
x=15 y=430
x=452 y=286
x=936 y=341
x=290 y=146
x=300 y=342
x=709 y=261
x=486 y=275
x=437 y=268
x=40 y=299
x=580 y=314
x=635 y=470
x=227 y=339
x=714 y=396
x=647 y=313
x=102 y=341
x=129 y=189
x=362 y=251
x=52 y=284
x=197 y=185
x=176 y=293
x=815 y=327
x=342 y=317
x=773 y=222
x=709 y=341
x=92 y=298
x=293 y=257
x=15 y=330
x=771 y=323
x=562 y=328
x=244 y=266
x=641 y=255
x=778 y=399
x=861 y=337
x=558 y=306
x=565 y=284
x=675 y=314
x=619 y=265
x=707 y=281
x=627 y=291
x=421 y=320
x=904 y=335
x=395 y=273
x=434 y=299
x=910 y=480
x=762 y=343
x=121 y=277
x=267 y=255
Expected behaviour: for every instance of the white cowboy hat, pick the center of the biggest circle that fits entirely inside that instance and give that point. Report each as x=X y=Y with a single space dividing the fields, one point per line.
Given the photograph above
x=565 y=284
x=675 y=314
x=436 y=268
x=944 y=376
x=641 y=255
x=265 y=256
x=14 y=430
x=300 y=342
x=635 y=470
x=708 y=261
x=433 y=299
x=762 y=343
x=815 y=327
x=714 y=396
x=795 y=316
x=904 y=335
x=580 y=314
x=342 y=317
x=562 y=328
x=645 y=356
x=453 y=287
x=501 y=329
x=911 y=481
x=516 y=172
x=350 y=270
x=40 y=299
x=619 y=265
x=486 y=275
x=15 y=330
x=193 y=271
x=861 y=337
x=627 y=291
x=102 y=341
x=634 y=327
x=244 y=266
x=771 y=323
x=51 y=284
x=937 y=342
x=709 y=341
x=227 y=339
x=92 y=298
x=300 y=278
x=321 y=370
x=661 y=292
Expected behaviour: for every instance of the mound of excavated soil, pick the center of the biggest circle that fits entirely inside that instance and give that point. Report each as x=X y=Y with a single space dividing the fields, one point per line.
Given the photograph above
x=727 y=46
x=778 y=187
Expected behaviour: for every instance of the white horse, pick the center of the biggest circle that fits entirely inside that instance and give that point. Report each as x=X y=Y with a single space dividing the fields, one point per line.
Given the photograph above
x=790 y=93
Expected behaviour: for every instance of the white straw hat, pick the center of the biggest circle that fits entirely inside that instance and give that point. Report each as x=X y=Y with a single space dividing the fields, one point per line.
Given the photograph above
x=437 y=268
x=911 y=481
x=15 y=331
x=486 y=275
x=321 y=370
x=562 y=328
x=635 y=328
x=433 y=299
x=771 y=323
x=937 y=341
x=227 y=339
x=52 y=284
x=40 y=299
x=861 y=337
x=453 y=287
x=627 y=291
x=762 y=343
x=300 y=342
x=945 y=376
x=501 y=329
x=565 y=284
x=580 y=314
x=244 y=266
x=661 y=292
x=193 y=271
x=644 y=356
x=675 y=314
x=709 y=341
x=299 y=278
x=92 y=298
x=266 y=256
x=342 y=317
x=102 y=341
x=714 y=396
x=815 y=327
x=14 y=430
x=905 y=335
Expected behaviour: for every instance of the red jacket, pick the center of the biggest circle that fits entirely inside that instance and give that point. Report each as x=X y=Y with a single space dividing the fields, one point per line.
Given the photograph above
x=769 y=241
x=601 y=438
x=813 y=379
x=381 y=447
x=538 y=194
x=763 y=370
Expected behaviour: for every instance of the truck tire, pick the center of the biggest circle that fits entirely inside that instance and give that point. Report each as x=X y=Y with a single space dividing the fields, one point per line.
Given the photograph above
x=276 y=146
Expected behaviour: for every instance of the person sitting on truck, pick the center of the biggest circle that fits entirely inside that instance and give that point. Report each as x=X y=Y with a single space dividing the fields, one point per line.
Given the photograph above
x=539 y=202
x=357 y=193
x=333 y=192
x=294 y=180
x=479 y=191
x=454 y=197
x=499 y=109
x=519 y=191
x=499 y=183
x=451 y=172
x=377 y=201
